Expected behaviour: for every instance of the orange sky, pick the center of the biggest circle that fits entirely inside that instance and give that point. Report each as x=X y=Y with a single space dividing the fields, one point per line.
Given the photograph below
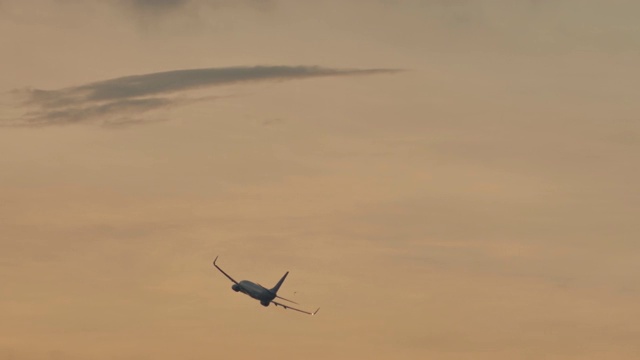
x=445 y=179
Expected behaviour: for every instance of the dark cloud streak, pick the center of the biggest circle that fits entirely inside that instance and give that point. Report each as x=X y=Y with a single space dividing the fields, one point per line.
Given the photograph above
x=178 y=80
x=158 y=7
x=118 y=100
x=155 y=5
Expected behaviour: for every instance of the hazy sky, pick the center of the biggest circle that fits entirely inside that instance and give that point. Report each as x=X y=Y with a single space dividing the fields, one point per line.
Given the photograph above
x=446 y=179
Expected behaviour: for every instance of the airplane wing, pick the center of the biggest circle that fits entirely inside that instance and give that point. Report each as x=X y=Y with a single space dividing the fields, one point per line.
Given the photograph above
x=222 y=271
x=292 y=308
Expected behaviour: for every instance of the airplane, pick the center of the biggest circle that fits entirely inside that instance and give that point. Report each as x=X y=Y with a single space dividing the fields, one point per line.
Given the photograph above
x=260 y=293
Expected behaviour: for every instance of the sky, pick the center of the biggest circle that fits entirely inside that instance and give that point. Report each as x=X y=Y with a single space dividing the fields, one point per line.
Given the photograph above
x=445 y=179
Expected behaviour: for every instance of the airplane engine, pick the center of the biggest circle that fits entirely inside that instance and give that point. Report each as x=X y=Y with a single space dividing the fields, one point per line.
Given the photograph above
x=235 y=287
x=265 y=303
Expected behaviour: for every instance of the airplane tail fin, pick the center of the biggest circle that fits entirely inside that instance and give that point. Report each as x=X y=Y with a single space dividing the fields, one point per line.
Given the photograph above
x=277 y=287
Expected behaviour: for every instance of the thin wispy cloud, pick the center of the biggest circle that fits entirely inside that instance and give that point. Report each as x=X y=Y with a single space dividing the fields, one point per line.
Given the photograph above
x=187 y=7
x=128 y=99
x=167 y=5
x=158 y=3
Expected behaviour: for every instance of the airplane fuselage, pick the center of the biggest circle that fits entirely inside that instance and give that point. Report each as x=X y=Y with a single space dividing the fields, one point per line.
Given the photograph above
x=254 y=290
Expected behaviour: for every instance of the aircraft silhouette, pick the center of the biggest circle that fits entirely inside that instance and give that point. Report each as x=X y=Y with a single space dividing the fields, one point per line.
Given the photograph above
x=260 y=293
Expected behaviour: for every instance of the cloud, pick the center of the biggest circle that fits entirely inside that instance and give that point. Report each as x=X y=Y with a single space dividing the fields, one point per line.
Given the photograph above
x=153 y=5
x=126 y=100
x=158 y=3
x=156 y=7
